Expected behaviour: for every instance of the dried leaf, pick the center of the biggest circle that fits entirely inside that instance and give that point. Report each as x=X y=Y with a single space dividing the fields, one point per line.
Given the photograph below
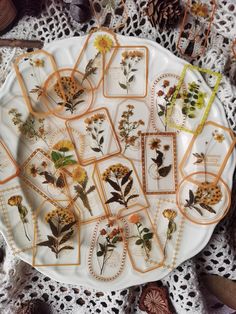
x=96 y=149
x=68 y=226
x=66 y=237
x=53 y=228
x=164 y=171
x=128 y=188
x=126 y=177
x=114 y=185
x=207 y=207
x=131 y=197
x=122 y=85
x=66 y=248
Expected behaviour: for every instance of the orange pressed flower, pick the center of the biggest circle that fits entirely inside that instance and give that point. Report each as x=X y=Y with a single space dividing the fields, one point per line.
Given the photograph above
x=135 y=218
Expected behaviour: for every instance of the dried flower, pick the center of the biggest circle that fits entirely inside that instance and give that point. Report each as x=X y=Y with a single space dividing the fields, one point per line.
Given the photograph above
x=63 y=216
x=218 y=137
x=166 y=147
x=169 y=214
x=155 y=143
x=38 y=63
x=135 y=218
x=79 y=175
x=15 y=200
x=199 y=9
x=118 y=171
x=103 y=43
x=64 y=146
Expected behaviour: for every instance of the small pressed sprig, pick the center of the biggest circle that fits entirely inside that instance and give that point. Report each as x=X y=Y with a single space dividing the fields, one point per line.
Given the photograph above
x=80 y=177
x=32 y=128
x=61 y=222
x=193 y=99
x=144 y=235
x=127 y=128
x=128 y=66
x=49 y=177
x=202 y=157
x=160 y=171
x=95 y=129
x=58 y=155
x=166 y=93
x=107 y=241
x=169 y=214
x=103 y=44
x=16 y=200
x=206 y=196
x=120 y=179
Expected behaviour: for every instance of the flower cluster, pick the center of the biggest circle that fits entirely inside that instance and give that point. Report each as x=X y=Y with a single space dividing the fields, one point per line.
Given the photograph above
x=98 y=117
x=135 y=54
x=127 y=127
x=63 y=216
x=118 y=171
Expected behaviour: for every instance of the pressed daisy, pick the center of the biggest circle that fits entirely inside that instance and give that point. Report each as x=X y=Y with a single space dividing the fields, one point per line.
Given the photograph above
x=79 y=175
x=103 y=43
x=64 y=146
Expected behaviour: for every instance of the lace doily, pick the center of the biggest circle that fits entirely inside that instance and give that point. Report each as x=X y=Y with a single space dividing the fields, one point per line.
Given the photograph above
x=20 y=282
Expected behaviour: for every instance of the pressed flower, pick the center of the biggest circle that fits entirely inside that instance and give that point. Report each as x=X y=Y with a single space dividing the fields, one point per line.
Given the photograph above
x=15 y=200
x=64 y=146
x=79 y=175
x=103 y=43
x=118 y=171
x=219 y=137
x=38 y=63
x=68 y=86
x=135 y=218
x=169 y=214
x=199 y=9
x=103 y=232
x=33 y=170
x=155 y=143
x=62 y=216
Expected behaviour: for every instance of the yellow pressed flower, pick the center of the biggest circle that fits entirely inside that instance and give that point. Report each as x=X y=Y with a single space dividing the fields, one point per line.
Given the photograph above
x=219 y=137
x=38 y=63
x=199 y=9
x=103 y=43
x=64 y=146
x=15 y=200
x=170 y=214
x=79 y=175
x=118 y=171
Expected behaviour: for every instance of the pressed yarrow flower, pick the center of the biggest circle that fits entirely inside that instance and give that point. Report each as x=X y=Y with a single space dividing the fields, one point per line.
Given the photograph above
x=64 y=146
x=62 y=216
x=118 y=171
x=103 y=43
x=79 y=175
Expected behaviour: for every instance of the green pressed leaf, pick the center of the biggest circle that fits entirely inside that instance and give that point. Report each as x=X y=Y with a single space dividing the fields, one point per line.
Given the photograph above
x=96 y=149
x=102 y=247
x=160 y=113
x=164 y=171
x=145 y=230
x=139 y=242
x=122 y=85
x=131 y=79
x=56 y=156
x=148 y=236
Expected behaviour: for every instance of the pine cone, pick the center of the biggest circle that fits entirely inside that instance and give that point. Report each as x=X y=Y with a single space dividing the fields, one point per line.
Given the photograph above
x=165 y=13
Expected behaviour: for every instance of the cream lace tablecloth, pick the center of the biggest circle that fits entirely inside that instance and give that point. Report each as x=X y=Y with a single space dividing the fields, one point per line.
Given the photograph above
x=20 y=282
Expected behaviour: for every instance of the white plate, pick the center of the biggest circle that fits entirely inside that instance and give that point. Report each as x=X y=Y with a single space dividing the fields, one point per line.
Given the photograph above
x=194 y=237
